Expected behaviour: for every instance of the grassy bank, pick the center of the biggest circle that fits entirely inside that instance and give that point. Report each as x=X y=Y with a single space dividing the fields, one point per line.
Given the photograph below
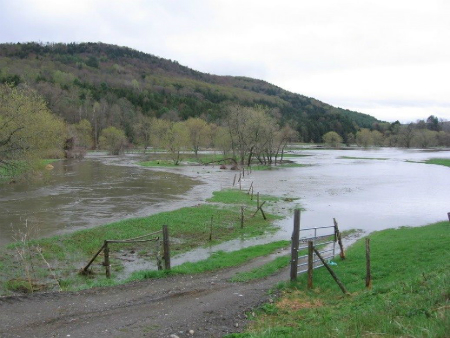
x=41 y=264
x=363 y=158
x=410 y=295
x=220 y=260
x=439 y=161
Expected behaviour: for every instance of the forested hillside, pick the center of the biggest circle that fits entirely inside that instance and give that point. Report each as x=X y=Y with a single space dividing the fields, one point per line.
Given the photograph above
x=115 y=86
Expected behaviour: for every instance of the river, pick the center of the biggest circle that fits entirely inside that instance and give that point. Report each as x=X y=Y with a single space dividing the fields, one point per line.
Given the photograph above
x=365 y=189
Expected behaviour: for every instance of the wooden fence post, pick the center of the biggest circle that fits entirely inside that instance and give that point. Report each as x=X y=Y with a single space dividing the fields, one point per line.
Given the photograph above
x=166 y=247
x=368 y=273
x=336 y=279
x=339 y=238
x=295 y=242
x=310 y=264
x=106 y=262
x=242 y=217
x=448 y=214
x=210 y=229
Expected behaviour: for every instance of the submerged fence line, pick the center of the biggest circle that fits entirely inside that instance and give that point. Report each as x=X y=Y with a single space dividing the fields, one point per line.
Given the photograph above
x=106 y=249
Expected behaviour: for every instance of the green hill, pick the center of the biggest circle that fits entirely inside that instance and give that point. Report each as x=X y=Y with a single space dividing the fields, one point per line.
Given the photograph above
x=113 y=85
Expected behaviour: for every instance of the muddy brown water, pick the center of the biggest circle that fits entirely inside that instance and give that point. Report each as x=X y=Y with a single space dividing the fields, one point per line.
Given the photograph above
x=81 y=194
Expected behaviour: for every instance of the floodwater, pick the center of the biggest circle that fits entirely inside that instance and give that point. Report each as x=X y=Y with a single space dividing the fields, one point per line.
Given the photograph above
x=369 y=190
x=81 y=194
x=374 y=189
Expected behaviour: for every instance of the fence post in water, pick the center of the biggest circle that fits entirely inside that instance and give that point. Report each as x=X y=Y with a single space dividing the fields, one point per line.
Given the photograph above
x=368 y=273
x=448 y=214
x=294 y=247
x=106 y=262
x=310 y=264
x=339 y=238
x=234 y=180
x=166 y=247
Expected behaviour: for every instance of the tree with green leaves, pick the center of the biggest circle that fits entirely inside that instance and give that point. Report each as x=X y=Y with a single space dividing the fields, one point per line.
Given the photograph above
x=113 y=140
x=28 y=130
x=332 y=139
x=199 y=132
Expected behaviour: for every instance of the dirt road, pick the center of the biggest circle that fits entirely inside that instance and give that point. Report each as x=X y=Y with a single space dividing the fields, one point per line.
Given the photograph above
x=205 y=305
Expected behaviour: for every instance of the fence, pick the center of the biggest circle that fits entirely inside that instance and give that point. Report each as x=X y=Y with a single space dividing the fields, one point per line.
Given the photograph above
x=141 y=239
x=315 y=240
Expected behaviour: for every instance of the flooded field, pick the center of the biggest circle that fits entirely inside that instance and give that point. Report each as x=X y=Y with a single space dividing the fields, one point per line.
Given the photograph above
x=364 y=189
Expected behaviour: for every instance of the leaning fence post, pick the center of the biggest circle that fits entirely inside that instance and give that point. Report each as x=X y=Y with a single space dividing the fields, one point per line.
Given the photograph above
x=106 y=262
x=339 y=238
x=368 y=273
x=344 y=290
x=295 y=242
x=166 y=247
x=310 y=264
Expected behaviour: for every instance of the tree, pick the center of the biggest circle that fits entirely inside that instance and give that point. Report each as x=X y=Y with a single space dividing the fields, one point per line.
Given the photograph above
x=199 y=132
x=142 y=130
x=176 y=140
x=28 y=130
x=364 y=138
x=250 y=130
x=332 y=139
x=113 y=140
x=222 y=139
x=283 y=136
x=82 y=133
x=377 y=138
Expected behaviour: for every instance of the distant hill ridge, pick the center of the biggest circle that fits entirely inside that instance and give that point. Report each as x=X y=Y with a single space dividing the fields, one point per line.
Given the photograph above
x=124 y=83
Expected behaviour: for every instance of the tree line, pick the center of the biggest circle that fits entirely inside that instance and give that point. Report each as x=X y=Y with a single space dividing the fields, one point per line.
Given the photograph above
x=428 y=133
x=29 y=131
x=112 y=86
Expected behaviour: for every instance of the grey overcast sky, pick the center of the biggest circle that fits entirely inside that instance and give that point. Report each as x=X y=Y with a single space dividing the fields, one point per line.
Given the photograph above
x=386 y=58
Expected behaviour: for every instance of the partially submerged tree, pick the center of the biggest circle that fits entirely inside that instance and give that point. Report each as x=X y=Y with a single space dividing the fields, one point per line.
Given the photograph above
x=199 y=132
x=332 y=139
x=113 y=140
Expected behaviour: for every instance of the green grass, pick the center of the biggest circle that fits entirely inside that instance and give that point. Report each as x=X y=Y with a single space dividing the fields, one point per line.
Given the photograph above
x=410 y=295
x=439 y=161
x=218 y=260
x=278 y=166
x=159 y=163
x=363 y=158
x=189 y=228
x=231 y=196
x=295 y=155
x=22 y=168
x=262 y=271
